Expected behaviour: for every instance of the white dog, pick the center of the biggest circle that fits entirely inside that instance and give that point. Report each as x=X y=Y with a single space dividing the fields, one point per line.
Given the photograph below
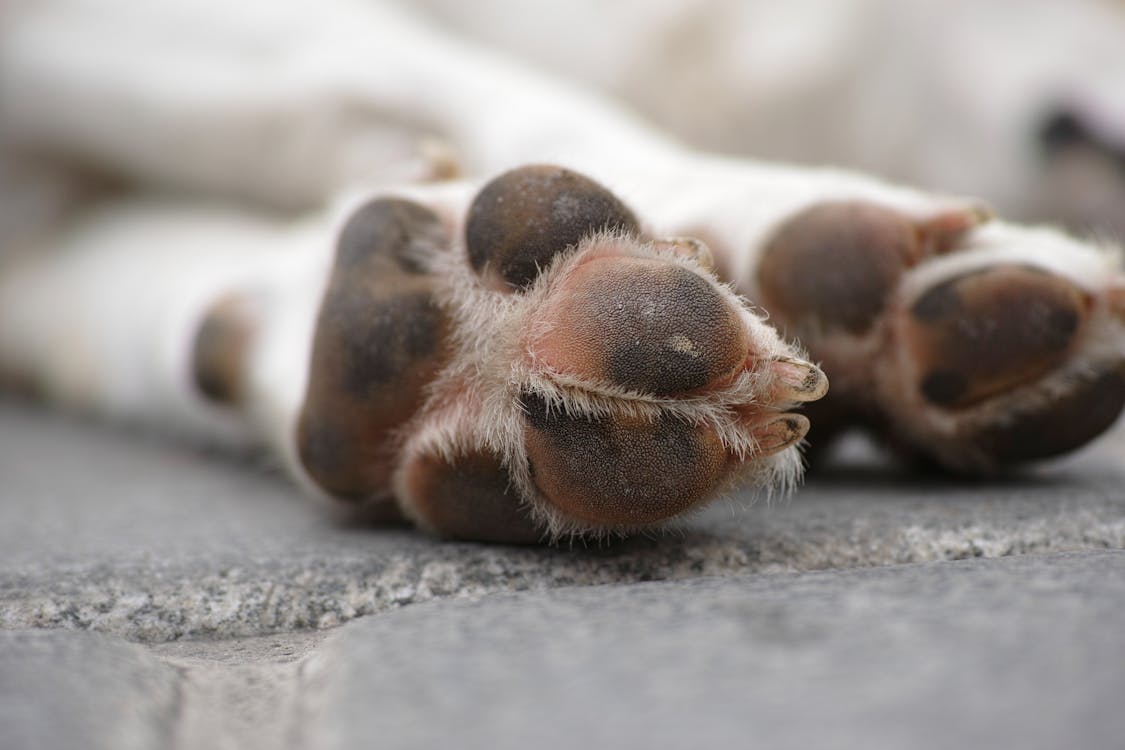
x=529 y=351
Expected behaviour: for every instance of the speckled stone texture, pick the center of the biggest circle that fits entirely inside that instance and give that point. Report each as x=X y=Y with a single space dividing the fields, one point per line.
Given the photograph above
x=847 y=616
x=110 y=531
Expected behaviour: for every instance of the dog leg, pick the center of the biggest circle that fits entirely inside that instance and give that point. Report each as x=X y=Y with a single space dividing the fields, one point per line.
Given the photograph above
x=510 y=362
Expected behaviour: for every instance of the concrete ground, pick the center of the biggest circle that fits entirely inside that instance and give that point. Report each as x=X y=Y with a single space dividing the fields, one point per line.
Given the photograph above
x=155 y=596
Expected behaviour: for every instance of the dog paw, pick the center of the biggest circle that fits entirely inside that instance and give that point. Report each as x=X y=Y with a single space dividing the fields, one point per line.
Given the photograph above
x=974 y=344
x=526 y=363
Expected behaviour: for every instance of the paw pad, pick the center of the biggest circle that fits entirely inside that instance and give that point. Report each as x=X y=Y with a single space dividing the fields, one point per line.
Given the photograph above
x=220 y=347
x=832 y=266
x=644 y=325
x=468 y=497
x=985 y=332
x=1089 y=408
x=521 y=220
x=620 y=470
x=380 y=338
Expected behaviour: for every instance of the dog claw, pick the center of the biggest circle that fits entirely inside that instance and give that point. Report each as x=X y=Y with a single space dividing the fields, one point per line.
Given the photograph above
x=798 y=380
x=690 y=248
x=780 y=433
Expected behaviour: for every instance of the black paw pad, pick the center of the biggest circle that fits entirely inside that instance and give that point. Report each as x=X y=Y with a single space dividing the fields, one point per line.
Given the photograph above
x=372 y=359
x=988 y=331
x=523 y=218
x=380 y=339
x=470 y=498
x=390 y=229
x=220 y=349
x=345 y=458
x=620 y=470
x=1089 y=408
x=645 y=325
x=833 y=266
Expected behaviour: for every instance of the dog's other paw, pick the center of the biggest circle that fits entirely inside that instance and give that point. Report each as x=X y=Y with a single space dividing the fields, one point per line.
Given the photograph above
x=550 y=371
x=977 y=345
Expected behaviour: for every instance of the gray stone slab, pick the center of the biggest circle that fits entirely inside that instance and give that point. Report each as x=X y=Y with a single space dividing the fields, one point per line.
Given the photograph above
x=1017 y=653
x=113 y=531
x=66 y=690
x=1024 y=652
x=62 y=689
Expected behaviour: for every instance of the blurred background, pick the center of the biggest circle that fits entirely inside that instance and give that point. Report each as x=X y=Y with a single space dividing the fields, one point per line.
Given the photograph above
x=1018 y=102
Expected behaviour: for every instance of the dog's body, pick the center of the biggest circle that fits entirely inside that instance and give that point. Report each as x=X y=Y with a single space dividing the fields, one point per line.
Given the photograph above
x=1015 y=101
x=962 y=339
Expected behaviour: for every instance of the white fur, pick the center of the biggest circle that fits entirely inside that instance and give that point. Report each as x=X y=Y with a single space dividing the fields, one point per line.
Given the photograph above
x=945 y=94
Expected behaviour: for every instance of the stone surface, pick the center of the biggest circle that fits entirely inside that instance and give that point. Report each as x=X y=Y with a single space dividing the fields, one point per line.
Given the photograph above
x=1023 y=652
x=107 y=530
x=68 y=690
x=1018 y=652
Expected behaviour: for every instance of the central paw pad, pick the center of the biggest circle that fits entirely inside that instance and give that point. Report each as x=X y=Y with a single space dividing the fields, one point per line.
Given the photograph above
x=645 y=325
